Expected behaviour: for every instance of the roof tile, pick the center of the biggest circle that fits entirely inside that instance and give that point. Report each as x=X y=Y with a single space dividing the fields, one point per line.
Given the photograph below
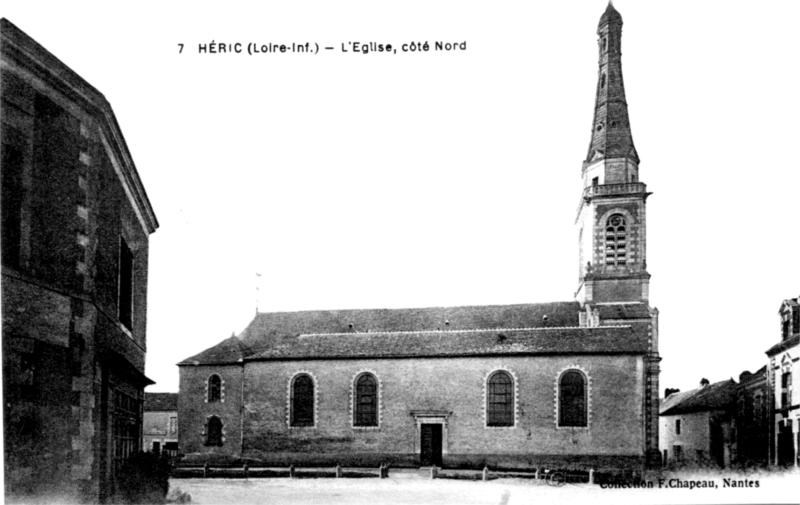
x=718 y=396
x=159 y=402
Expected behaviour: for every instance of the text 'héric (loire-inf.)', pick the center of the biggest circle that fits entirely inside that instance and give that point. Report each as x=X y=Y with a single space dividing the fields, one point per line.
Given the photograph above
x=351 y=47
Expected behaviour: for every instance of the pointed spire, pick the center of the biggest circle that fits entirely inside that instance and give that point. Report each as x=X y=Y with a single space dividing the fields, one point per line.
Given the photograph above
x=610 y=15
x=611 y=131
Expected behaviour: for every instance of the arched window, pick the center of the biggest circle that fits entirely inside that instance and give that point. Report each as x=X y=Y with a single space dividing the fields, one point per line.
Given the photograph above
x=302 y=401
x=616 y=241
x=500 y=400
x=214 y=431
x=572 y=399
x=366 y=401
x=214 y=388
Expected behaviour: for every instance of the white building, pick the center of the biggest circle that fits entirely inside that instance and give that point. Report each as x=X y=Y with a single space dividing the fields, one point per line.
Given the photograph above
x=781 y=371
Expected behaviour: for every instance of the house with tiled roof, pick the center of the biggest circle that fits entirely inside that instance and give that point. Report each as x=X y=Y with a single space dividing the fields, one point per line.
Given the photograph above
x=697 y=427
x=564 y=384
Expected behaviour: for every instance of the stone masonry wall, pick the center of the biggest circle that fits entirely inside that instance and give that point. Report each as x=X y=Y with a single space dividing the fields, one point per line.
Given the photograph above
x=451 y=385
x=194 y=409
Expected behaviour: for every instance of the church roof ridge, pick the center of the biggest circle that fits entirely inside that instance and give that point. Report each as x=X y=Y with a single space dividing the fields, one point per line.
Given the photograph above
x=420 y=308
x=470 y=330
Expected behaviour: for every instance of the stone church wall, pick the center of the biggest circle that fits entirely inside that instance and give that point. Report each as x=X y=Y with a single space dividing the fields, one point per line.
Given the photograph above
x=455 y=386
x=194 y=410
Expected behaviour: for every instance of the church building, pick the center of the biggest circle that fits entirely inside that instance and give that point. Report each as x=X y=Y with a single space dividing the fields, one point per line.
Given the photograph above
x=563 y=384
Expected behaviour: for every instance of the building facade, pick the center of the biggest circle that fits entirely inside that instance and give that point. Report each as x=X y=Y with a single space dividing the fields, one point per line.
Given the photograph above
x=752 y=419
x=160 y=424
x=75 y=228
x=560 y=384
x=698 y=427
x=784 y=403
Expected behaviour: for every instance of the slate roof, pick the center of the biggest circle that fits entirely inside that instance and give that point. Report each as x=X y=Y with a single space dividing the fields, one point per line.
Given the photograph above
x=623 y=311
x=746 y=377
x=268 y=328
x=540 y=328
x=529 y=341
x=792 y=341
x=610 y=15
x=229 y=351
x=718 y=396
x=159 y=402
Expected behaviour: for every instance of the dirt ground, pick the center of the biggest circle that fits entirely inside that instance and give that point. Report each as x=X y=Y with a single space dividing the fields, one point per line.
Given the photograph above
x=413 y=487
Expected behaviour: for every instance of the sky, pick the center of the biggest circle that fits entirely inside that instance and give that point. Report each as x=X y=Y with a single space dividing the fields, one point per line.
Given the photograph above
x=441 y=178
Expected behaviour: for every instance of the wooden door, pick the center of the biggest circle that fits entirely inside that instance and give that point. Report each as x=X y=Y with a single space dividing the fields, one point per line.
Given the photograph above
x=431 y=445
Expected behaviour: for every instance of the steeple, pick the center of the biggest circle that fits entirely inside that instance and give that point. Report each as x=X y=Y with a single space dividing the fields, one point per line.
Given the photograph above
x=611 y=217
x=611 y=130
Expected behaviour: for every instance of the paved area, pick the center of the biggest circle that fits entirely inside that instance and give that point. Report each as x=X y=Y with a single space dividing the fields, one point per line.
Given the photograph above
x=412 y=487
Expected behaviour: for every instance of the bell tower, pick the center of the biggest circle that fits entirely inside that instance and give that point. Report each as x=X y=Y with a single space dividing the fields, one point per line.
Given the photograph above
x=611 y=217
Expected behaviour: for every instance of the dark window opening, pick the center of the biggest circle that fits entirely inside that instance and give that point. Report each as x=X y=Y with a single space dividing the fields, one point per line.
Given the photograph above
x=366 y=408
x=500 y=400
x=214 y=431
x=125 y=285
x=572 y=399
x=302 y=401
x=214 y=388
x=171 y=449
x=795 y=320
x=616 y=241
x=603 y=81
x=677 y=426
